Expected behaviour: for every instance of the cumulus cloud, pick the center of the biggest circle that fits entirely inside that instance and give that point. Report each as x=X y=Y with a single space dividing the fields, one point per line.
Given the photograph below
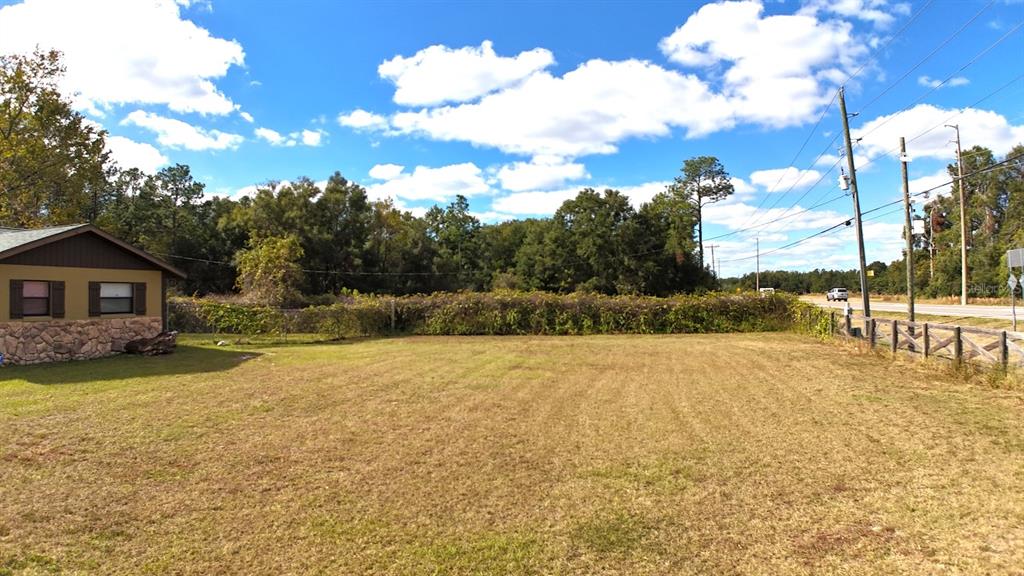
x=541 y=173
x=545 y=203
x=778 y=70
x=126 y=52
x=586 y=111
x=440 y=74
x=386 y=171
x=177 y=134
x=247 y=117
x=772 y=71
x=784 y=179
x=425 y=183
x=305 y=137
x=939 y=183
x=923 y=126
x=936 y=83
x=878 y=12
x=363 y=120
x=131 y=154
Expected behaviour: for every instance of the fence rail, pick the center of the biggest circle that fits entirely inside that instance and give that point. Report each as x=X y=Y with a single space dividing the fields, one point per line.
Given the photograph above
x=932 y=340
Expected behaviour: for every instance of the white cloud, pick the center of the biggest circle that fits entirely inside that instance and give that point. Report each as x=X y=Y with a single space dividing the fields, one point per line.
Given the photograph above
x=538 y=203
x=177 y=134
x=977 y=127
x=587 y=111
x=534 y=203
x=741 y=187
x=936 y=83
x=363 y=120
x=440 y=74
x=779 y=70
x=878 y=12
x=126 y=52
x=247 y=117
x=940 y=181
x=541 y=173
x=784 y=179
x=772 y=71
x=305 y=137
x=425 y=183
x=274 y=137
x=131 y=154
x=386 y=171
x=312 y=137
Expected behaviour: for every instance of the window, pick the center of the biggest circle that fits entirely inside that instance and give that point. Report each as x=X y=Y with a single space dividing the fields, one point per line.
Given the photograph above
x=35 y=298
x=116 y=298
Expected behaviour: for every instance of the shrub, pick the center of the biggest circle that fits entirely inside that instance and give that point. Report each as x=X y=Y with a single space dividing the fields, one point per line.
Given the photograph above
x=507 y=313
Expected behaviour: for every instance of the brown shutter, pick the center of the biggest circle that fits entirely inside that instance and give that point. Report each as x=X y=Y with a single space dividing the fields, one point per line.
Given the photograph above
x=94 y=299
x=16 y=291
x=57 y=299
x=139 y=298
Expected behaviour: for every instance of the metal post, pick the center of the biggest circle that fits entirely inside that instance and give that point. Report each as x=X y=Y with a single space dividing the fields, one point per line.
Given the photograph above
x=856 y=202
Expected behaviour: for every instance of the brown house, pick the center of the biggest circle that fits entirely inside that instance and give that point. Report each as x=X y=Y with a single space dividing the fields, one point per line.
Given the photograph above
x=76 y=292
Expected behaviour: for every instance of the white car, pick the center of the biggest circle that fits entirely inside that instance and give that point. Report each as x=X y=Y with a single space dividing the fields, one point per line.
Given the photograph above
x=837 y=294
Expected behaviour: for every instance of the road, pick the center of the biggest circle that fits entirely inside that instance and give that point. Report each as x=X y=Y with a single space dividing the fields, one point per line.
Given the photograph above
x=1001 y=312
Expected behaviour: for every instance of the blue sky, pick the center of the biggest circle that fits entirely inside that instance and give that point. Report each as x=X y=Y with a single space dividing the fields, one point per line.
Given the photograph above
x=518 y=105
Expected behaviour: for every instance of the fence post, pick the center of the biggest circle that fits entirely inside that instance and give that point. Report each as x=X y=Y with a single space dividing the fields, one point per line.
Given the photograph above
x=927 y=341
x=392 y=314
x=872 y=333
x=849 y=324
x=832 y=323
x=958 y=345
x=1004 y=350
x=895 y=336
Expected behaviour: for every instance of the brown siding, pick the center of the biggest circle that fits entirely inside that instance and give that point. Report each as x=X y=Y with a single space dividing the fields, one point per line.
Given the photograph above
x=83 y=251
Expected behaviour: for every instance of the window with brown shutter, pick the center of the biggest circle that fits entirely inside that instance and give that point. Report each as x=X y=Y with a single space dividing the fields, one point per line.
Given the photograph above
x=140 y=298
x=57 y=298
x=35 y=298
x=16 y=288
x=94 y=299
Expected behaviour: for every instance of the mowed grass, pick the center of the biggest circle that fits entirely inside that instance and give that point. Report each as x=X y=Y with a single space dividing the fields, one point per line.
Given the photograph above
x=726 y=454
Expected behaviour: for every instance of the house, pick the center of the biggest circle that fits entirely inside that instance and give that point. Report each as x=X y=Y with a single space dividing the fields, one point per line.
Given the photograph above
x=76 y=292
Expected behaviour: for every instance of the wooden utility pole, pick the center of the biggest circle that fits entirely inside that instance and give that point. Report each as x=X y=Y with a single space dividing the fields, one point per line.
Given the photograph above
x=963 y=217
x=931 y=243
x=714 y=269
x=909 y=232
x=856 y=203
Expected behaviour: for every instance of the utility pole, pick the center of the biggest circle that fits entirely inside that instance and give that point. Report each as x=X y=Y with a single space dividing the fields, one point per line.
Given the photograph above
x=758 y=276
x=856 y=203
x=909 y=231
x=714 y=269
x=931 y=243
x=963 y=217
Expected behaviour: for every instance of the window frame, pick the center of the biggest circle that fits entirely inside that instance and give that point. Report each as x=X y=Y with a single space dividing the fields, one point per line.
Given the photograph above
x=48 y=299
x=130 y=299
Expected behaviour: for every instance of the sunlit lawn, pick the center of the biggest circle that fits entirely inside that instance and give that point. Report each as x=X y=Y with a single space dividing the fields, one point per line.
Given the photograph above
x=760 y=453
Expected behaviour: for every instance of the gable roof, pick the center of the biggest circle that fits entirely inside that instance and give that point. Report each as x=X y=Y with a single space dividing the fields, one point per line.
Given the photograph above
x=15 y=241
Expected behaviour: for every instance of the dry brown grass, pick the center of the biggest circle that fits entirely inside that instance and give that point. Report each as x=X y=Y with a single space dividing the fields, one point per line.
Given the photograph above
x=759 y=453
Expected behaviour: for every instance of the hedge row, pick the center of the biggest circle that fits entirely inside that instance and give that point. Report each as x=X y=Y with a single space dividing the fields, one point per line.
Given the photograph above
x=507 y=313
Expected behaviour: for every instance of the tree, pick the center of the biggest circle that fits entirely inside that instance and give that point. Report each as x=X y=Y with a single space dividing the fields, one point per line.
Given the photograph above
x=269 y=272
x=53 y=163
x=704 y=181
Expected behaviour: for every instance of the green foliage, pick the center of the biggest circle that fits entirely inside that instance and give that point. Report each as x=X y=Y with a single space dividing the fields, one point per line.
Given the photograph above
x=501 y=313
x=53 y=163
x=269 y=272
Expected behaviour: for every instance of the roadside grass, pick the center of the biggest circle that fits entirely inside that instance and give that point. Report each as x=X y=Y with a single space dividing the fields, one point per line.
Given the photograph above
x=694 y=454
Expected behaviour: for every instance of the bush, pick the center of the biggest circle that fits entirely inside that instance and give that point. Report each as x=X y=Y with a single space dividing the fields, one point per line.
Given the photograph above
x=506 y=313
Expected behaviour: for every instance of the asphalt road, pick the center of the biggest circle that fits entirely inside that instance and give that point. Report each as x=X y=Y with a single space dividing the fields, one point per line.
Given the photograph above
x=1002 y=312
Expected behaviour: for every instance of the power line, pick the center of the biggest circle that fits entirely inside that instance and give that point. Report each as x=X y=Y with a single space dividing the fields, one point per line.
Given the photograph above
x=847 y=222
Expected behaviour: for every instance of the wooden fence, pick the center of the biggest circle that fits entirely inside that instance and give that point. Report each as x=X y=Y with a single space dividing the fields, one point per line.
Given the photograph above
x=927 y=339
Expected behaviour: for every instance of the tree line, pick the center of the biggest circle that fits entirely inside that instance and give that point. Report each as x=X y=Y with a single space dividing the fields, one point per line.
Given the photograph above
x=291 y=242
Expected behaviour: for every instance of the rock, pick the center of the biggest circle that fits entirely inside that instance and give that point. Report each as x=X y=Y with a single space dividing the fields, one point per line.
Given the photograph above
x=162 y=343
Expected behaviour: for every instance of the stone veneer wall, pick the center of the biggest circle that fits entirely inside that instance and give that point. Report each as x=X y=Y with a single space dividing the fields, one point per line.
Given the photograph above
x=57 y=340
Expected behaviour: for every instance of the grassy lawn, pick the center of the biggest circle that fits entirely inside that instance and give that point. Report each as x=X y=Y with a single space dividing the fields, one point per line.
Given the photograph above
x=759 y=453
